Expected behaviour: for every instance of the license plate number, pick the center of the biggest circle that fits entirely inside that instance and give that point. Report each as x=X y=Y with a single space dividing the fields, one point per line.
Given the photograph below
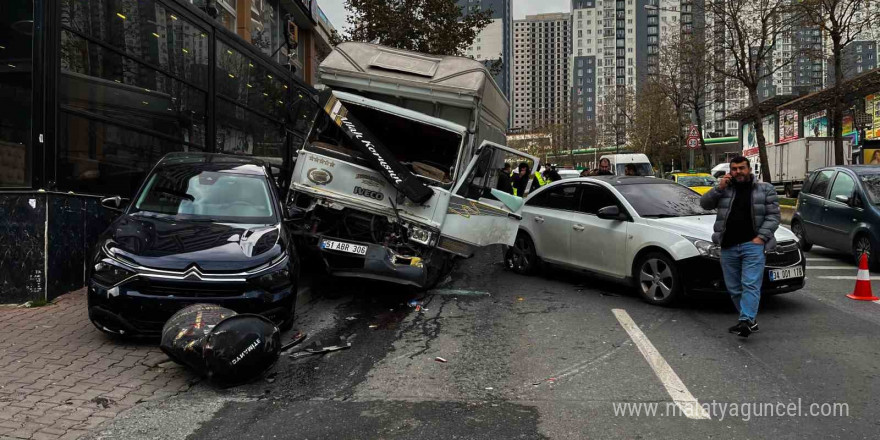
x=344 y=247
x=784 y=274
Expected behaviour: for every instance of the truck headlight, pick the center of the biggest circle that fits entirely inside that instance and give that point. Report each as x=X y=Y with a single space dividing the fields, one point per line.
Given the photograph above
x=109 y=274
x=705 y=248
x=419 y=235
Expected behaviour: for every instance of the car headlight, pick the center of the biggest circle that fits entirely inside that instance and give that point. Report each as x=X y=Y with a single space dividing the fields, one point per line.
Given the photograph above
x=109 y=274
x=705 y=248
x=273 y=280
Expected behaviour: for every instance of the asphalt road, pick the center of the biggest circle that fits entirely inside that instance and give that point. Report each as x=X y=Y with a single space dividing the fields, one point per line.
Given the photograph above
x=549 y=357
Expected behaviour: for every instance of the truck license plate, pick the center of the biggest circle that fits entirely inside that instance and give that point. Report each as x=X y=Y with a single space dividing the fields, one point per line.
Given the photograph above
x=784 y=274
x=344 y=247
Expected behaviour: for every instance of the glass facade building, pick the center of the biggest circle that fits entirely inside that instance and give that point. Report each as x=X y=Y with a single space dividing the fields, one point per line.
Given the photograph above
x=96 y=91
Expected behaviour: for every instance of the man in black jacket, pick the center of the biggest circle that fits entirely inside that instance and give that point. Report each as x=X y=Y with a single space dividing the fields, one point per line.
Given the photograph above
x=504 y=179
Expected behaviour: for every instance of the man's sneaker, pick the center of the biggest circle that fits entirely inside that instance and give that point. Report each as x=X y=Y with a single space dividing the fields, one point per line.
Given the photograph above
x=753 y=326
x=741 y=329
x=735 y=328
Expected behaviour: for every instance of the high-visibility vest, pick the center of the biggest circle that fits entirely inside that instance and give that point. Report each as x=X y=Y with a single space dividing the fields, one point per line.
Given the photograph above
x=540 y=179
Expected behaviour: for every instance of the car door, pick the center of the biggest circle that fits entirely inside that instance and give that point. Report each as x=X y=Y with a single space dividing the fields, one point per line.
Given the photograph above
x=840 y=217
x=474 y=215
x=547 y=217
x=598 y=245
x=812 y=205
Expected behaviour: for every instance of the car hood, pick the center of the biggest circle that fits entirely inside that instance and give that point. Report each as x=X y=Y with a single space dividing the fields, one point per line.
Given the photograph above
x=701 y=226
x=160 y=243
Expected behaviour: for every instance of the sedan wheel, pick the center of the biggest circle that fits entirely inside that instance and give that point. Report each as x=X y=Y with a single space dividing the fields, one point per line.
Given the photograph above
x=658 y=279
x=863 y=246
x=521 y=257
x=798 y=229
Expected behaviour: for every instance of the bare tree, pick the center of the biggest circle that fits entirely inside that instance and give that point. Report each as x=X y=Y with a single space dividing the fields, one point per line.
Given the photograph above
x=659 y=133
x=843 y=21
x=752 y=30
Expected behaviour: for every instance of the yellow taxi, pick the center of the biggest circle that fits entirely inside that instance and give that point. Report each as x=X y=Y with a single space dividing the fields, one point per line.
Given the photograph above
x=699 y=182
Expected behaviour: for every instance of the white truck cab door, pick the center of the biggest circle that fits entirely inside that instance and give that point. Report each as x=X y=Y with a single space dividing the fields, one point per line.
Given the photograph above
x=475 y=216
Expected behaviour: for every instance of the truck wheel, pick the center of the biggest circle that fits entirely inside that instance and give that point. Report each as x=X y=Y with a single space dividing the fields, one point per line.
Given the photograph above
x=789 y=190
x=438 y=270
x=798 y=229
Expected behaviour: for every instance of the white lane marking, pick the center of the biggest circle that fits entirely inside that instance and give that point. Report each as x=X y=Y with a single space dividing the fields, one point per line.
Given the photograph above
x=809 y=258
x=843 y=277
x=832 y=268
x=683 y=398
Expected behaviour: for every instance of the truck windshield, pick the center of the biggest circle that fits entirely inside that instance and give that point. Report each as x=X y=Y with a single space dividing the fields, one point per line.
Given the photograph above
x=642 y=169
x=428 y=151
x=188 y=193
x=871 y=182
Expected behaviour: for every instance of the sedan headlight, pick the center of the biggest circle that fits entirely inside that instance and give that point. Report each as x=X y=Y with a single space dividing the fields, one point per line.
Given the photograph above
x=109 y=274
x=705 y=248
x=274 y=280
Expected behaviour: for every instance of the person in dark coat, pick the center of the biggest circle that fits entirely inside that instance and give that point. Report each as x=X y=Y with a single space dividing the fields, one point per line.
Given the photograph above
x=504 y=183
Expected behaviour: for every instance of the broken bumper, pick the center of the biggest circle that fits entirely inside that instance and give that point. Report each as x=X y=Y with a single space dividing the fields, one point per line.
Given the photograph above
x=378 y=263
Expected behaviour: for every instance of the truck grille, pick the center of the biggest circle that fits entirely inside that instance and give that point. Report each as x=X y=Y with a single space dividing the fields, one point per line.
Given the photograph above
x=786 y=254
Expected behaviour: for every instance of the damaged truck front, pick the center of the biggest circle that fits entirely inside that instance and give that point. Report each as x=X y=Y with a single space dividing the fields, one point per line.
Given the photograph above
x=398 y=176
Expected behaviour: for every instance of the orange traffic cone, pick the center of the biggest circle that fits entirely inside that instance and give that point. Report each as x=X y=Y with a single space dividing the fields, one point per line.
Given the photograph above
x=863 y=282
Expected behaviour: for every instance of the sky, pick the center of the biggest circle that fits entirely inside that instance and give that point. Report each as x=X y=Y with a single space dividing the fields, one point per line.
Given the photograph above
x=335 y=9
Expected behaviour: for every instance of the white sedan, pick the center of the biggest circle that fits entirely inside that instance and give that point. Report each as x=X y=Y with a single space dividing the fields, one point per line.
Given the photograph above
x=651 y=233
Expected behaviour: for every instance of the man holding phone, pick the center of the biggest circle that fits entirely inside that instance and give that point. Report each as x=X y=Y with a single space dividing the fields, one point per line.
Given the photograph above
x=747 y=217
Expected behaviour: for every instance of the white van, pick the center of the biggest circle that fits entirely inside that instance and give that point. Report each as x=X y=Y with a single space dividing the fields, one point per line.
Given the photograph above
x=620 y=161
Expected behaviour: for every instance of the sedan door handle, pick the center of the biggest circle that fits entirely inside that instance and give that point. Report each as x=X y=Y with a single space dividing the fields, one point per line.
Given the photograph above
x=577 y=227
x=539 y=219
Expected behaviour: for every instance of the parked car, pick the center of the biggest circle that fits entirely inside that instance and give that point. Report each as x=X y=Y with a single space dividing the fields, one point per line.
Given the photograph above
x=718 y=171
x=648 y=232
x=699 y=182
x=838 y=209
x=203 y=228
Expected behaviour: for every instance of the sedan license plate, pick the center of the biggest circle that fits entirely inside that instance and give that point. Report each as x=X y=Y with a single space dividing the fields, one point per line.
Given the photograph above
x=787 y=273
x=344 y=247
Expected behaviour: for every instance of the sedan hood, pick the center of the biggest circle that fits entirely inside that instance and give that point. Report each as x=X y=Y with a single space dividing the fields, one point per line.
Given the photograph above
x=168 y=244
x=701 y=226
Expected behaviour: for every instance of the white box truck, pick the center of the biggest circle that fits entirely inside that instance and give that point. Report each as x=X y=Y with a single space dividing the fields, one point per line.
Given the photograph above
x=400 y=173
x=791 y=162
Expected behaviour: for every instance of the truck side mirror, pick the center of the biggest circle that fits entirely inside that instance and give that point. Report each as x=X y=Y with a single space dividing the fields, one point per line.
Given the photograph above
x=512 y=202
x=115 y=203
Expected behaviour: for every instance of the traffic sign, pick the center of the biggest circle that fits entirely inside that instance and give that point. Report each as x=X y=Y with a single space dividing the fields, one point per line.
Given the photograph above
x=693 y=138
x=693 y=143
x=693 y=133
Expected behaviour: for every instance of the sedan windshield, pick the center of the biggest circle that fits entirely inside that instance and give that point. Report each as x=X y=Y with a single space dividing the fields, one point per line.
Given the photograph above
x=663 y=200
x=871 y=182
x=187 y=193
x=693 y=181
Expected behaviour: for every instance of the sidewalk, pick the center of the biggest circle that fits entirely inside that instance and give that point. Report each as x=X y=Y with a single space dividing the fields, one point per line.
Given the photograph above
x=60 y=377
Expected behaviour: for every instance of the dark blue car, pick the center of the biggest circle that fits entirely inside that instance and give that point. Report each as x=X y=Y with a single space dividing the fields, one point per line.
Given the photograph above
x=839 y=208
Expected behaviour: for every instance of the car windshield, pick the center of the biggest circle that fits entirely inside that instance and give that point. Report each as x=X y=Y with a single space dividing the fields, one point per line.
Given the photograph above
x=642 y=169
x=663 y=200
x=692 y=181
x=871 y=182
x=187 y=193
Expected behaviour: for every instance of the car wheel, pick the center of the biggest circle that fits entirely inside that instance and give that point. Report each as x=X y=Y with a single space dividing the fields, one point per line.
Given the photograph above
x=798 y=229
x=522 y=257
x=861 y=246
x=658 y=279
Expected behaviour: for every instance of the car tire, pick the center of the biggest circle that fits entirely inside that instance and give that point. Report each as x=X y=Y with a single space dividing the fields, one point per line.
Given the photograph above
x=798 y=229
x=658 y=280
x=862 y=244
x=522 y=257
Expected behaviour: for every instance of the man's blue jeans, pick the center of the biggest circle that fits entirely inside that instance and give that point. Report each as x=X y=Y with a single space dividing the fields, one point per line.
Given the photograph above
x=743 y=267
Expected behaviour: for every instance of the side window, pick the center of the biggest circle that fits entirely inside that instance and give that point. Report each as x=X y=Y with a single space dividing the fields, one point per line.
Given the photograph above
x=809 y=182
x=594 y=198
x=820 y=183
x=562 y=197
x=843 y=186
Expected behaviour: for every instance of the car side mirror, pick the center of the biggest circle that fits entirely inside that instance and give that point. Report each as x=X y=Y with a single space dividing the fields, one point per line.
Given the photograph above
x=115 y=203
x=610 y=213
x=842 y=199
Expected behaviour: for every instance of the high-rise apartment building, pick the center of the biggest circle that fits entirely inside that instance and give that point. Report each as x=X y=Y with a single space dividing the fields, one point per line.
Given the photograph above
x=494 y=43
x=541 y=60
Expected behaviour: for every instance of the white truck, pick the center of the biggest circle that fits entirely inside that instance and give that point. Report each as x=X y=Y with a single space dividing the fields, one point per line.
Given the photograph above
x=620 y=161
x=400 y=173
x=791 y=162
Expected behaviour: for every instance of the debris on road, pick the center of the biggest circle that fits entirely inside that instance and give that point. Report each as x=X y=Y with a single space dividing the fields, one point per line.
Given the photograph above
x=373 y=326
x=458 y=292
x=351 y=318
x=519 y=298
x=296 y=340
x=322 y=350
x=440 y=359
x=227 y=347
